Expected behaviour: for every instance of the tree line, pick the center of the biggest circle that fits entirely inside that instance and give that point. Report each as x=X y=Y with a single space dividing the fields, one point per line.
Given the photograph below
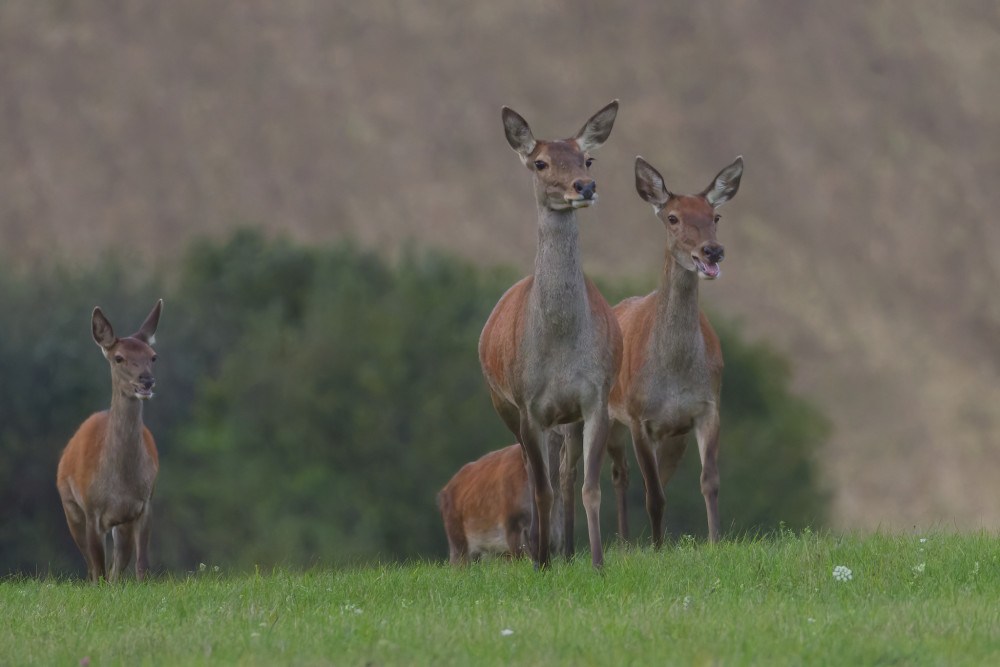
x=311 y=401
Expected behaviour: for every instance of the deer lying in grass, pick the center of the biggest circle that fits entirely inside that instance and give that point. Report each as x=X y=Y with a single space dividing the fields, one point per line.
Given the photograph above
x=108 y=470
x=486 y=507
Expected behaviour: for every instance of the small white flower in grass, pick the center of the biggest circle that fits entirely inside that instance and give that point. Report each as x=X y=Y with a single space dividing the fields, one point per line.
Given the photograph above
x=811 y=619
x=923 y=539
x=506 y=632
x=688 y=600
x=201 y=567
x=842 y=573
x=919 y=569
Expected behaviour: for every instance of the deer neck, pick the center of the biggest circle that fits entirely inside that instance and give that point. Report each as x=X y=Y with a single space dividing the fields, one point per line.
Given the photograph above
x=559 y=294
x=677 y=336
x=124 y=445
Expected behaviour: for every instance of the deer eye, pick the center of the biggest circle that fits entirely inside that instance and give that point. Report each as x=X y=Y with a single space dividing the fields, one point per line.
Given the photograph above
x=590 y=161
x=155 y=358
x=539 y=165
x=672 y=219
x=119 y=358
x=717 y=218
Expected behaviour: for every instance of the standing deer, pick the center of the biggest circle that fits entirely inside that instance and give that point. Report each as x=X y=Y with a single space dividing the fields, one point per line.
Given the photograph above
x=551 y=348
x=671 y=371
x=486 y=507
x=108 y=470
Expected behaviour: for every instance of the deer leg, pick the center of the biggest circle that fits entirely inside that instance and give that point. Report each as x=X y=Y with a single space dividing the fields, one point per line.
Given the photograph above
x=619 y=475
x=595 y=440
x=77 y=521
x=123 y=540
x=142 y=534
x=708 y=448
x=655 y=500
x=94 y=551
x=571 y=451
x=532 y=438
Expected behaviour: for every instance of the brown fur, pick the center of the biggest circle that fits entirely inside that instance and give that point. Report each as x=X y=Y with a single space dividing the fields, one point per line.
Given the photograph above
x=486 y=507
x=551 y=348
x=108 y=471
x=670 y=379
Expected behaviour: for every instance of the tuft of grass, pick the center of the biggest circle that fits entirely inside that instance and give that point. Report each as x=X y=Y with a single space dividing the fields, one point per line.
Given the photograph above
x=911 y=599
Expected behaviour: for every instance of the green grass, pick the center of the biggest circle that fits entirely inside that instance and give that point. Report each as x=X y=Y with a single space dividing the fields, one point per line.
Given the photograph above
x=913 y=600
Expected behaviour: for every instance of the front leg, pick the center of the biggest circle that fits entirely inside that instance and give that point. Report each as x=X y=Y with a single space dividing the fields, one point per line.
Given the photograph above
x=571 y=451
x=656 y=501
x=707 y=433
x=595 y=440
x=532 y=439
x=123 y=541
x=95 y=551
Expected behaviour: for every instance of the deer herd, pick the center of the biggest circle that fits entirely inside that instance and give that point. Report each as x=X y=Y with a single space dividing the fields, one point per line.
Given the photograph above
x=567 y=373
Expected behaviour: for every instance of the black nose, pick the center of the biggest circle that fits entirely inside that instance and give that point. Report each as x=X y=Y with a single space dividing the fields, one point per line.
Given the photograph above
x=714 y=253
x=586 y=189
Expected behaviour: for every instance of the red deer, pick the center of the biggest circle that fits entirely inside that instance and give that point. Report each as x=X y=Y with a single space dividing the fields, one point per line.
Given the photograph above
x=108 y=470
x=671 y=372
x=551 y=348
x=486 y=507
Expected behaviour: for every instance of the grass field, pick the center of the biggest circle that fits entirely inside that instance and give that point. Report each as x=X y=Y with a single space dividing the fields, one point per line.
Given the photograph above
x=929 y=599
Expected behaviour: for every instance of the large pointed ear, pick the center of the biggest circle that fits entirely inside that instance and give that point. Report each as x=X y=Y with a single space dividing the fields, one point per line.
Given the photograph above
x=518 y=133
x=725 y=185
x=649 y=184
x=104 y=335
x=595 y=131
x=148 y=328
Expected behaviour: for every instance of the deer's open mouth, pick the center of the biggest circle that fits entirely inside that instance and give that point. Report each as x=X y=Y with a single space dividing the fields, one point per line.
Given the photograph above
x=141 y=392
x=707 y=270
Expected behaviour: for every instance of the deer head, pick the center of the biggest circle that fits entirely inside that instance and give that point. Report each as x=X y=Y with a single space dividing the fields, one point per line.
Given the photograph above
x=690 y=220
x=561 y=168
x=131 y=358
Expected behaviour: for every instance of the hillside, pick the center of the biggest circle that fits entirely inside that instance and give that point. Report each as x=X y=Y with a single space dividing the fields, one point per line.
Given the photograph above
x=862 y=244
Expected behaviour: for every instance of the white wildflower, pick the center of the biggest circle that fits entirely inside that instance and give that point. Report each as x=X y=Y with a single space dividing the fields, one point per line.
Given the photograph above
x=506 y=632
x=919 y=569
x=842 y=573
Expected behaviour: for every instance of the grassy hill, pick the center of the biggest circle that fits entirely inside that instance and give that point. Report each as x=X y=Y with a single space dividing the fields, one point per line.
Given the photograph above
x=863 y=241
x=784 y=600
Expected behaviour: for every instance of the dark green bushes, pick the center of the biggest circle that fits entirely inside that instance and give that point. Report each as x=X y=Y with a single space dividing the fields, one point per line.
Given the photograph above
x=312 y=401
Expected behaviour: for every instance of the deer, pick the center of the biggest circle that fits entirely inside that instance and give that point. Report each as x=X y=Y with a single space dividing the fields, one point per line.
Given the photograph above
x=108 y=470
x=486 y=507
x=551 y=348
x=670 y=379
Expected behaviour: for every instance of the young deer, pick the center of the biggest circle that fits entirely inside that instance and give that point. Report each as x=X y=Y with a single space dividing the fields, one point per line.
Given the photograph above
x=486 y=507
x=108 y=470
x=671 y=372
x=551 y=348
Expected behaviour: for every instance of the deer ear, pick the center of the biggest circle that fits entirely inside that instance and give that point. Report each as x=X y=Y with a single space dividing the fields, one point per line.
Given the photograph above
x=148 y=329
x=649 y=184
x=518 y=133
x=104 y=335
x=596 y=131
x=726 y=184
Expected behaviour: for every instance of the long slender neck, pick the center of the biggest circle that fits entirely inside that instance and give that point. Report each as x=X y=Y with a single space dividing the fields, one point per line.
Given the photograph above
x=124 y=443
x=677 y=329
x=559 y=293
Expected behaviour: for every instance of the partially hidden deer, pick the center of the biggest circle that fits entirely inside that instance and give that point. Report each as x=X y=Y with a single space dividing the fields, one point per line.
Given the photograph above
x=671 y=374
x=551 y=348
x=108 y=470
x=486 y=507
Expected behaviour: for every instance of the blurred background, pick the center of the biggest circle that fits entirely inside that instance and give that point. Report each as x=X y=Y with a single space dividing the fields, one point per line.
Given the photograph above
x=322 y=193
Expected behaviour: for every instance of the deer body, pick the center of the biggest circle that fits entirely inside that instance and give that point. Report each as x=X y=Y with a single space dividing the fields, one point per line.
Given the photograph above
x=551 y=348
x=671 y=374
x=107 y=472
x=486 y=507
